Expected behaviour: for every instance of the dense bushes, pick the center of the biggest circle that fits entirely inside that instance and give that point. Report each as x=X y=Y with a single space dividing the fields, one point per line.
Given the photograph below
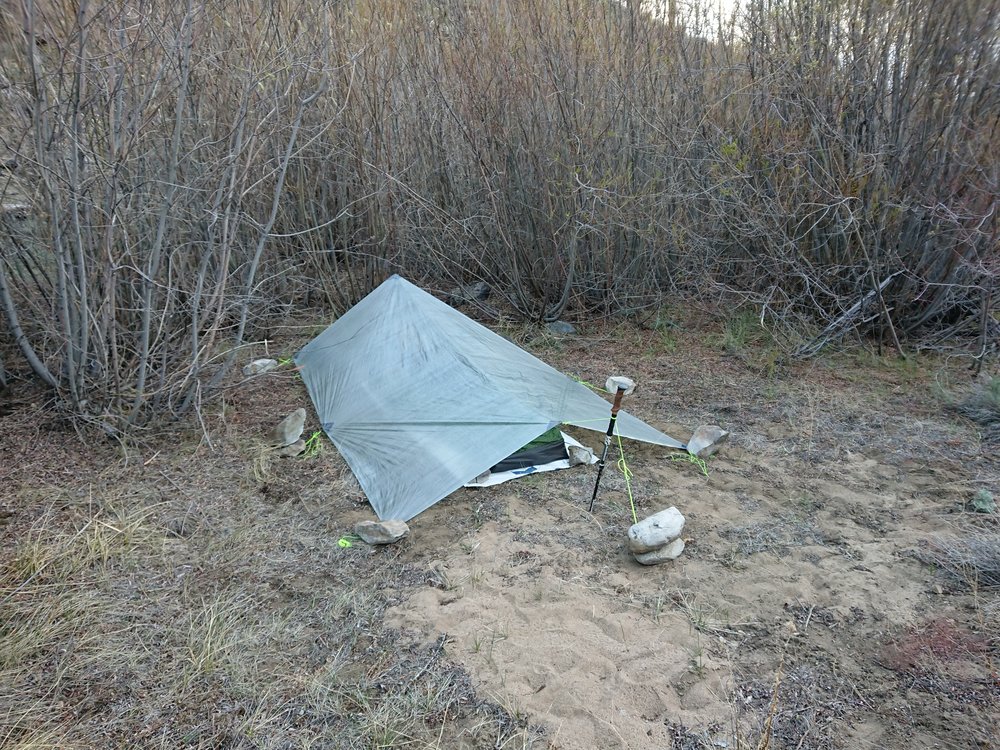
x=188 y=172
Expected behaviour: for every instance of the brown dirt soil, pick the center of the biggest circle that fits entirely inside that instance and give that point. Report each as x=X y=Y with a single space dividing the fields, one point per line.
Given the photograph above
x=802 y=614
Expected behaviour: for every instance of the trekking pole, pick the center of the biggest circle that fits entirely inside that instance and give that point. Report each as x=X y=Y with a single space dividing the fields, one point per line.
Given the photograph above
x=621 y=387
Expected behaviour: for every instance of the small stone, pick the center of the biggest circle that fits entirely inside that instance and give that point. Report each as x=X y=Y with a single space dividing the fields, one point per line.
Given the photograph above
x=291 y=451
x=706 y=440
x=561 y=328
x=381 y=532
x=620 y=383
x=656 y=531
x=259 y=367
x=466 y=293
x=664 y=554
x=289 y=429
x=480 y=291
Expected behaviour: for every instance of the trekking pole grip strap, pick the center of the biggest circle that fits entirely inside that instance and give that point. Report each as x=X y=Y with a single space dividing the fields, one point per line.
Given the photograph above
x=615 y=407
x=618 y=401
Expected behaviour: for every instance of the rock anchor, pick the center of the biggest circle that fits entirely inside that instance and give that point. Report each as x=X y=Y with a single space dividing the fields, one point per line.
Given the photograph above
x=465 y=293
x=656 y=531
x=664 y=554
x=259 y=367
x=561 y=328
x=289 y=429
x=381 y=532
x=656 y=539
x=706 y=440
x=291 y=451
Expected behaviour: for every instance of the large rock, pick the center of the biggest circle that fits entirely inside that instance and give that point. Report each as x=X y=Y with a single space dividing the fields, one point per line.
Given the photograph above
x=664 y=554
x=656 y=531
x=381 y=532
x=706 y=440
x=289 y=429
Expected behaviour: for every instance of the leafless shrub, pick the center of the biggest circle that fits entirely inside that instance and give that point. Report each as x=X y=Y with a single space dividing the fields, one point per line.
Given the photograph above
x=158 y=143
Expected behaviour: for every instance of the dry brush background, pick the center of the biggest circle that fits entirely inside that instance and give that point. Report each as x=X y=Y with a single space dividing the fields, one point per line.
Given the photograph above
x=178 y=177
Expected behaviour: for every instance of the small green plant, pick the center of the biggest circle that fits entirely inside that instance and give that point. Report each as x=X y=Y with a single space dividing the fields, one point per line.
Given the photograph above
x=808 y=505
x=498 y=634
x=983 y=502
x=313 y=445
x=993 y=390
x=477 y=576
x=741 y=331
x=690 y=458
x=488 y=641
x=746 y=337
x=478 y=517
x=696 y=662
x=658 y=605
x=665 y=326
x=468 y=547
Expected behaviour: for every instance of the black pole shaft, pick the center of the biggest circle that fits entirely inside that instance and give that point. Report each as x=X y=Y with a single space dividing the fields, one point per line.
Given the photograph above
x=607 y=443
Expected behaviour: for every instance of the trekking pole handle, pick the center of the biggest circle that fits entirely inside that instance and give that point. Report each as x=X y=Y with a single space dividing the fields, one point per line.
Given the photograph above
x=615 y=408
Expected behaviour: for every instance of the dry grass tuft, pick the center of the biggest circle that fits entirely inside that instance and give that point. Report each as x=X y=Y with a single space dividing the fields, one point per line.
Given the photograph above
x=969 y=560
x=983 y=408
x=777 y=536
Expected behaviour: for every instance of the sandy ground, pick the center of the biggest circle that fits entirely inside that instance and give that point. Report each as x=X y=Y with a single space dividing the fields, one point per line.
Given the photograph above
x=545 y=607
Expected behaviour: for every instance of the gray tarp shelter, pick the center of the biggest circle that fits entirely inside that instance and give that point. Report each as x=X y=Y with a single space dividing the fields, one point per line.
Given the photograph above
x=420 y=399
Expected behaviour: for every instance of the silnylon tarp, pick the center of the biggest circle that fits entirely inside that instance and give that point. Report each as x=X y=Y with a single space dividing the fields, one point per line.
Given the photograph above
x=420 y=399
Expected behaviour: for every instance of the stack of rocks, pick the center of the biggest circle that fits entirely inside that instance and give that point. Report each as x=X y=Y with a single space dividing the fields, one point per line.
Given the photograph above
x=287 y=434
x=657 y=539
